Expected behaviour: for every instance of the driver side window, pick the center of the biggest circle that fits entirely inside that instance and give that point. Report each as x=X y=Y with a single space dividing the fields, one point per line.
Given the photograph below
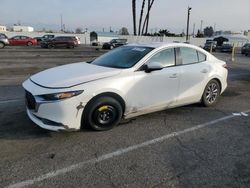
x=165 y=57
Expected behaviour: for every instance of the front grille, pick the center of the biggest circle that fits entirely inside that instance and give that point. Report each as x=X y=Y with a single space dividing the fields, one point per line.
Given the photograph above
x=30 y=100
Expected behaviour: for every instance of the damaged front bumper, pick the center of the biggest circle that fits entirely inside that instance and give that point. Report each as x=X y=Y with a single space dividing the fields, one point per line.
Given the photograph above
x=59 y=115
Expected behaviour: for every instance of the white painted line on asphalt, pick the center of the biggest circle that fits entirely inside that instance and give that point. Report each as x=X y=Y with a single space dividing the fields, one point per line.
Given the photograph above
x=11 y=100
x=236 y=114
x=116 y=153
x=244 y=114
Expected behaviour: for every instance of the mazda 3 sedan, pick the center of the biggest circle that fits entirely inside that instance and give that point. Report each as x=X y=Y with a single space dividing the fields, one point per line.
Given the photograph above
x=126 y=82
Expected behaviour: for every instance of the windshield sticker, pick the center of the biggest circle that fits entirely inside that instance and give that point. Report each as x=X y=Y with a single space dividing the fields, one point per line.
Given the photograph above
x=139 y=49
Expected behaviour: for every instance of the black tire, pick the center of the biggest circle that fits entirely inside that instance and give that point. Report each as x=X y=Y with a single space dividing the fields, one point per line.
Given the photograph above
x=71 y=46
x=211 y=93
x=2 y=45
x=50 y=46
x=102 y=113
x=111 y=47
x=29 y=43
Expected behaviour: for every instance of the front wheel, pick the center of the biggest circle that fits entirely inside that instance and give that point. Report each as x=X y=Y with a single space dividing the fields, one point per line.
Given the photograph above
x=211 y=93
x=102 y=113
x=2 y=45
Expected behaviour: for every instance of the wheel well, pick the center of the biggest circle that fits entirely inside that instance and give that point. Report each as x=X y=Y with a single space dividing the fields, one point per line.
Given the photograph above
x=110 y=94
x=218 y=82
x=106 y=94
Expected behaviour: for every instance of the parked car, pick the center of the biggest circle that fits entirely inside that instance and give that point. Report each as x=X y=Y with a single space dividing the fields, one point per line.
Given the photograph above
x=209 y=44
x=44 y=37
x=61 y=41
x=245 y=48
x=128 y=81
x=247 y=51
x=114 y=43
x=22 y=40
x=226 y=47
x=3 y=40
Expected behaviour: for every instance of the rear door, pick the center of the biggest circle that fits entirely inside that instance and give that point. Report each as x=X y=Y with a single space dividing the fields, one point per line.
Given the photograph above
x=194 y=75
x=23 y=40
x=57 y=41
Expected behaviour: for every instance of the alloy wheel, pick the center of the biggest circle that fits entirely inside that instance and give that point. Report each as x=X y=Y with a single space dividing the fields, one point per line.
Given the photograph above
x=211 y=92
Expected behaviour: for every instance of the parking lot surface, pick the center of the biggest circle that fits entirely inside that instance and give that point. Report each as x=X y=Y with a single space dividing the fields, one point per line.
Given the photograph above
x=190 y=146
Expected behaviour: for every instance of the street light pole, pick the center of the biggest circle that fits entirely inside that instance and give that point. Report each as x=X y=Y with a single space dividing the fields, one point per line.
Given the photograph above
x=189 y=9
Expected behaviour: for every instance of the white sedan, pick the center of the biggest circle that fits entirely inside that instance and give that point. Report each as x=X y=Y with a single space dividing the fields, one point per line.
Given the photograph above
x=128 y=81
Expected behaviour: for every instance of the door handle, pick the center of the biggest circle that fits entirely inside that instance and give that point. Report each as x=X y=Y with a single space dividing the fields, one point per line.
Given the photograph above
x=173 y=75
x=204 y=71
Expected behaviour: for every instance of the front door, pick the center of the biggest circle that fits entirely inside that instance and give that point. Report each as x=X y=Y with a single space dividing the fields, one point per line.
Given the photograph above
x=157 y=89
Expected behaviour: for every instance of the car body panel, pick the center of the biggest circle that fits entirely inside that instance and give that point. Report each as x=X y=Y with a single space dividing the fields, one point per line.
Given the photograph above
x=73 y=74
x=61 y=41
x=22 y=40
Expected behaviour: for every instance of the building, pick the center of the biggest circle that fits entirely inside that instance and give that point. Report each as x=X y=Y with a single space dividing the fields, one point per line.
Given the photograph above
x=2 y=28
x=19 y=28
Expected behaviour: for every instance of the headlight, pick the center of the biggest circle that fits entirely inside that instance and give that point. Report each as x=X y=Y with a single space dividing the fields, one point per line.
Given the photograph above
x=60 y=96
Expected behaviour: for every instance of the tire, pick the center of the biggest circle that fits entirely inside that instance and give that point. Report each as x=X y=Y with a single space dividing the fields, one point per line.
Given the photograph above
x=2 y=45
x=211 y=93
x=102 y=113
x=71 y=46
x=111 y=47
x=29 y=44
x=50 y=46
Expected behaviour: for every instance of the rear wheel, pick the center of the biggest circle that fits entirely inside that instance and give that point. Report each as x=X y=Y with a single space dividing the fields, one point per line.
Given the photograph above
x=2 y=45
x=51 y=46
x=102 y=113
x=71 y=46
x=29 y=43
x=211 y=93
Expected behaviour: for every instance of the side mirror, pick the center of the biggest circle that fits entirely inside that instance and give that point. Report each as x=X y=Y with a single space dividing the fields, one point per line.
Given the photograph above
x=153 y=66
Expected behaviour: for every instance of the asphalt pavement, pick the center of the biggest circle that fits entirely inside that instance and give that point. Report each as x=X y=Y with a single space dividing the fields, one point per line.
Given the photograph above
x=190 y=146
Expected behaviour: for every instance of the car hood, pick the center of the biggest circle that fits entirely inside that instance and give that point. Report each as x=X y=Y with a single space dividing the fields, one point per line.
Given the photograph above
x=71 y=75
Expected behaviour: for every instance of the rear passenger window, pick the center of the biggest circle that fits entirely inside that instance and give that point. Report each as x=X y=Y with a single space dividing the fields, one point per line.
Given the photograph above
x=189 y=55
x=202 y=57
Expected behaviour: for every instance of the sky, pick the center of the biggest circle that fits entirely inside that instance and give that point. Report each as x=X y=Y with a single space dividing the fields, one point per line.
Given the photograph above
x=97 y=14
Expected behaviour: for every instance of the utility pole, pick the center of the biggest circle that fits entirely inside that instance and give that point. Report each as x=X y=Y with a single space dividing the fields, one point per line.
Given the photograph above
x=194 y=30
x=61 y=22
x=189 y=9
x=201 y=26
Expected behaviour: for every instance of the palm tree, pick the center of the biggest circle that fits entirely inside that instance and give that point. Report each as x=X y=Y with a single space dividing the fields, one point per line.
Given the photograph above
x=146 y=20
x=140 y=21
x=134 y=15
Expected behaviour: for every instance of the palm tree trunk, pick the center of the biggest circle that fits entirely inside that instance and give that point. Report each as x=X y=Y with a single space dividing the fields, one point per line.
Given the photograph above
x=140 y=21
x=134 y=15
x=147 y=16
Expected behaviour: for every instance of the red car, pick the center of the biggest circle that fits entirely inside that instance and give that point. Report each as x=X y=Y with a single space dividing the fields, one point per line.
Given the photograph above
x=22 y=40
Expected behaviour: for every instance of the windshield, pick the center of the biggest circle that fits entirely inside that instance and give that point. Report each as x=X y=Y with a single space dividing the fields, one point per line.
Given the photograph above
x=123 y=57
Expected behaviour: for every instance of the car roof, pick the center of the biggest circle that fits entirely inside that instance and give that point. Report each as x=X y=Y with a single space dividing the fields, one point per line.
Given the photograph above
x=162 y=44
x=20 y=36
